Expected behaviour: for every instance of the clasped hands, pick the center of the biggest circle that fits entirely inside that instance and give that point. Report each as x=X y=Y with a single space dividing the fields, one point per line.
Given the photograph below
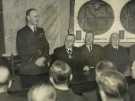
x=40 y=62
x=86 y=68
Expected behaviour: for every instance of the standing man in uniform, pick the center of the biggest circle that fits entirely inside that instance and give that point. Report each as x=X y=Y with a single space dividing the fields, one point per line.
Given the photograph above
x=33 y=49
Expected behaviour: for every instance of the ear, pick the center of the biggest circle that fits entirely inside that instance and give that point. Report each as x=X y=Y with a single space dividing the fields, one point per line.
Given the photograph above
x=71 y=77
x=10 y=84
x=28 y=17
x=51 y=79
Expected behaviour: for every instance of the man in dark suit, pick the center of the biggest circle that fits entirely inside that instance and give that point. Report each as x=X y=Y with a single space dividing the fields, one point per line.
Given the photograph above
x=33 y=49
x=131 y=81
x=90 y=52
x=90 y=55
x=117 y=54
x=69 y=54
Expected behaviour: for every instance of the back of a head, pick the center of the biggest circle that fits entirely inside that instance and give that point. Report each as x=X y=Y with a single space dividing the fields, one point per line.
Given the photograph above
x=60 y=72
x=113 y=83
x=104 y=66
x=43 y=92
x=4 y=72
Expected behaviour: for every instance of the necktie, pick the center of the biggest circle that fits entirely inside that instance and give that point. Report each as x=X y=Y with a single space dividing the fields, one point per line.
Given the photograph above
x=35 y=29
x=69 y=51
x=89 y=48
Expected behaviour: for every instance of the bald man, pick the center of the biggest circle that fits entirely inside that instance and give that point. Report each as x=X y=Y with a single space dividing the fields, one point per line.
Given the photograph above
x=44 y=92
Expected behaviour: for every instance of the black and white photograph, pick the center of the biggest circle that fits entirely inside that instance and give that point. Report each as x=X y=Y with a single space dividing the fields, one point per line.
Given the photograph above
x=67 y=50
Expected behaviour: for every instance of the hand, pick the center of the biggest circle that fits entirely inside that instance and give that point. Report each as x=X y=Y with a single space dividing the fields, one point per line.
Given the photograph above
x=86 y=68
x=40 y=61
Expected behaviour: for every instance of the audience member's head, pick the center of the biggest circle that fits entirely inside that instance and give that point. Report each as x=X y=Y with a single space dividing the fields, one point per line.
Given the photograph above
x=114 y=39
x=89 y=38
x=44 y=92
x=113 y=84
x=104 y=66
x=60 y=74
x=5 y=81
x=69 y=40
x=32 y=17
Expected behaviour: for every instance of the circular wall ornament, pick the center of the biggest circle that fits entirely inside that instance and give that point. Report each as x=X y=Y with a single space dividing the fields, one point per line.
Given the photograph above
x=127 y=16
x=95 y=16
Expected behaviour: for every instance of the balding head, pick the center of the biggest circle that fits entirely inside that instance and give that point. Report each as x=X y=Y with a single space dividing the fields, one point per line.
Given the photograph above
x=44 y=92
x=61 y=72
x=4 y=72
x=104 y=65
x=4 y=75
x=113 y=83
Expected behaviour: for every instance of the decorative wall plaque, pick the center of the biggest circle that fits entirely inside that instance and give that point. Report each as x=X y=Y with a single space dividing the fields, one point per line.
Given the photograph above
x=96 y=16
x=127 y=16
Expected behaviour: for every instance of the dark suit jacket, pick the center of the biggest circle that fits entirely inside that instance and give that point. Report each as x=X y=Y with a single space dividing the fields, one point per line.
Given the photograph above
x=30 y=46
x=87 y=81
x=68 y=96
x=132 y=53
x=11 y=97
x=93 y=95
x=131 y=88
x=93 y=57
x=60 y=53
x=119 y=57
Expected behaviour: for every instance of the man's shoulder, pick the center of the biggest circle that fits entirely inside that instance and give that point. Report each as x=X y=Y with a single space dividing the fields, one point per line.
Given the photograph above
x=124 y=48
x=68 y=96
x=11 y=97
x=40 y=29
x=75 y=48
x=107 y=46
x=59 y=48
x=23 y=30
x=98 y=46
x=82 y=47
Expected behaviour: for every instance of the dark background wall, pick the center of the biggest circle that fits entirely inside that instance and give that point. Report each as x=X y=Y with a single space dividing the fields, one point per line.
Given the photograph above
x=2 y=48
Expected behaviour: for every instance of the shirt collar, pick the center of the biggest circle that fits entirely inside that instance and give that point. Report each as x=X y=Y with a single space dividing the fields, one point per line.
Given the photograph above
x=31 y=27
